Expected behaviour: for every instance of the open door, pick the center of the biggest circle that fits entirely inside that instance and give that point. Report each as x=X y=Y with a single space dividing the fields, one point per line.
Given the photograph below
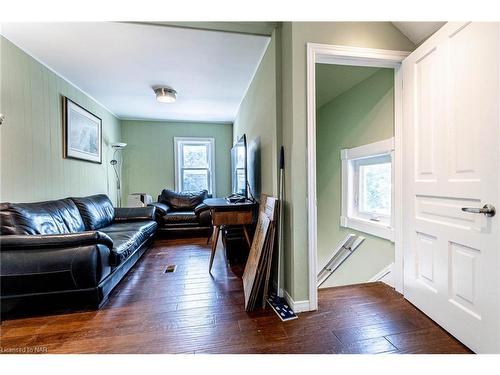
x=451 y=90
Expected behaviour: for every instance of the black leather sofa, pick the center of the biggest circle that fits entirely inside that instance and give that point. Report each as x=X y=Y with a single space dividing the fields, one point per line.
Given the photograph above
x=73 y=249
x=183 y=214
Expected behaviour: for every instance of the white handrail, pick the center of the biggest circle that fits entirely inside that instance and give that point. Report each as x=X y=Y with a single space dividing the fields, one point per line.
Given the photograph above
x=343 y=250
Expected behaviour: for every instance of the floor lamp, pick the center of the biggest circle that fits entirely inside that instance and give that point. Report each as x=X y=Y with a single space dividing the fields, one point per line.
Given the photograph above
x=117 y=164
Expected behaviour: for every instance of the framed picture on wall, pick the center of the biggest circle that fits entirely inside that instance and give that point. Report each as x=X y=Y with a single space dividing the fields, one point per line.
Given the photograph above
x=82 y=133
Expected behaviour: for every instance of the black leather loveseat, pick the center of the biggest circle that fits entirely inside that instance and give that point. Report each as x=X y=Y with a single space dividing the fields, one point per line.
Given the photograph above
x=69 y=249
x=183 y=214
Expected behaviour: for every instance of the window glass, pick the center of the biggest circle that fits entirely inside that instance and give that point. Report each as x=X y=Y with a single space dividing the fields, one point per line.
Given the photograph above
x=195 y=156
x=375 y=189
x=195 y=179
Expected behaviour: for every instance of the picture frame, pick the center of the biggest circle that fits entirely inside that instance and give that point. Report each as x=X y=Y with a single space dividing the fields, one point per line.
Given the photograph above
x=82 y=133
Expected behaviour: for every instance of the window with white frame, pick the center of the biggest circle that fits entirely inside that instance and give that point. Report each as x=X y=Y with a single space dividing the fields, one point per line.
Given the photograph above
x=194 y=164
x=367 y=188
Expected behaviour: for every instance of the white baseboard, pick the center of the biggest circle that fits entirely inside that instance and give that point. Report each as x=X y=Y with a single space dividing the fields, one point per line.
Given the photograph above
x=297 y=306
x=385 y=275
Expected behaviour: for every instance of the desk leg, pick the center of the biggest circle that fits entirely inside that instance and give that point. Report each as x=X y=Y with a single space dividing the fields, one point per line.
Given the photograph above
x=247 y=236
x=215 y=238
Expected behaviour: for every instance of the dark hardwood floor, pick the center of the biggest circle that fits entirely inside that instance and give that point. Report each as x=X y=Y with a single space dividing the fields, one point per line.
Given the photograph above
x=191 y=312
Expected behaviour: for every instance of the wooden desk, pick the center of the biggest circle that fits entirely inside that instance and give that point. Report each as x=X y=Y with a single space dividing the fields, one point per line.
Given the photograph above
x=225 y=213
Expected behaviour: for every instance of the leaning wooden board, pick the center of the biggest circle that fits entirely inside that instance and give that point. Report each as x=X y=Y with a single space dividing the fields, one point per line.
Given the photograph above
x=254 y=256
x=267 y=275
x=260 y=254
x=264 y=273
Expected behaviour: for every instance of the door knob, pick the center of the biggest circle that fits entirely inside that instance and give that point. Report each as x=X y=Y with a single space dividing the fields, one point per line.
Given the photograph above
x=488 y=210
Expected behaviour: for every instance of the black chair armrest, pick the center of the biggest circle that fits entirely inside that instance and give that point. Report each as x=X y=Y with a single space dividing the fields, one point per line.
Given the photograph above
x=200 y=208
x=161 y=208
x=25 y=242
x=135 y=213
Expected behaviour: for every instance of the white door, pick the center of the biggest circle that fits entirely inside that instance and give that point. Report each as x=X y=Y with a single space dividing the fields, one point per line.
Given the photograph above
x=451 y=111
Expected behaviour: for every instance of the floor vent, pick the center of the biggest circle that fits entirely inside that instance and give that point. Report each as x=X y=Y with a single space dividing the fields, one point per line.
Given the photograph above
x=171 y=268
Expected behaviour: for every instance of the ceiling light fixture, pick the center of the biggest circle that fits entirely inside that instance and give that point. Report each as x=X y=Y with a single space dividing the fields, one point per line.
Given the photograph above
x=165 y=94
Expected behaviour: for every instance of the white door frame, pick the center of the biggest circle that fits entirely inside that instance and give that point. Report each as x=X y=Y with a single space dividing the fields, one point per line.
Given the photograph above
x=343 y=55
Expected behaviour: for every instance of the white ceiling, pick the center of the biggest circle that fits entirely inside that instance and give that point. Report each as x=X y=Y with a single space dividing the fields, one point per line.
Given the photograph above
x=333 y=80
x=418 y=32
x=118 y=63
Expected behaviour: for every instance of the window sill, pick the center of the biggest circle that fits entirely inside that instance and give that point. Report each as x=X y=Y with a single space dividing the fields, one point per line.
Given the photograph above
x=368 y=226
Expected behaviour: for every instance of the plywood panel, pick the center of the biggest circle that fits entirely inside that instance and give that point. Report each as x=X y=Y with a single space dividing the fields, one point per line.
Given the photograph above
x=254 y=256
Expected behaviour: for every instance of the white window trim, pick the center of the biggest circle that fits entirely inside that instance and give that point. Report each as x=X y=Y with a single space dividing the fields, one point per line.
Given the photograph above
x=348 y=157
x=177 y=142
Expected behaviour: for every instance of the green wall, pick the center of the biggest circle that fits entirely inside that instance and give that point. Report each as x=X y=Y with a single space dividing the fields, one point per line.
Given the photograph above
x=295 y=37
x=257 y=118
x=149 y=156
x=363 y=114
x=31 y=137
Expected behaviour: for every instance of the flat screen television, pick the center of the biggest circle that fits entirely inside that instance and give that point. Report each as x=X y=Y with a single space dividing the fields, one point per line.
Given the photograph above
x=239 y=180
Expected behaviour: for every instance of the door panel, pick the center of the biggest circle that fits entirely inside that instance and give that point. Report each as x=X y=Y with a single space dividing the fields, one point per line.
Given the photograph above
x=451 y=160
x=427 y=115
x=426 y=260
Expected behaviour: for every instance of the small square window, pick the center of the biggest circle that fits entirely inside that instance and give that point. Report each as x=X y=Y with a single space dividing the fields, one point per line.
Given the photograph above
x=367 y=188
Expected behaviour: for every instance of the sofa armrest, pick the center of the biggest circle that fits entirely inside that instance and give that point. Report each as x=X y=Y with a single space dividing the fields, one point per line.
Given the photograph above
x=25 y=271
x=161 y=208
x=135 y=213
x=46 y=241
x=200 y=208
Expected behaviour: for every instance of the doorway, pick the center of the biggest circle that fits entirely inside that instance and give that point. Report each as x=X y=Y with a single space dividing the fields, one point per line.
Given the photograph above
x=354 y=160
x=354 y=57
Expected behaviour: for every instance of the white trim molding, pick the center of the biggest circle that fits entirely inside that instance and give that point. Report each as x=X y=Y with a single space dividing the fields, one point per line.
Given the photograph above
x=384 y=275
x=369 y=227
x=297 y=306
x=343 y=55
x=371 y=149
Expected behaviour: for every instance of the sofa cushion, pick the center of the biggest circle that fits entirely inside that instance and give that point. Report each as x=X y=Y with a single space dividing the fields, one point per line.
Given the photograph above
x=176 y=217
x=148 y=227
x=124 y=244
x=184 y=201
x=127 y=238
x=97 y=211
x=50 y=217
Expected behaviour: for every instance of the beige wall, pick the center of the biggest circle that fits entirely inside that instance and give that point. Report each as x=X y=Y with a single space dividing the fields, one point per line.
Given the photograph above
x=295 y=37
x=361 y=115
x=31 y=137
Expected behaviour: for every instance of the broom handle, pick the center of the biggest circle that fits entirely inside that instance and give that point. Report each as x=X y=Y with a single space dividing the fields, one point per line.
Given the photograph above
x=280 y=222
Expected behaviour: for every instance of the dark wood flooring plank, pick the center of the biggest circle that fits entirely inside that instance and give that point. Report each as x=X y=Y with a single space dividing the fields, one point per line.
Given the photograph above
x=190 y=311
